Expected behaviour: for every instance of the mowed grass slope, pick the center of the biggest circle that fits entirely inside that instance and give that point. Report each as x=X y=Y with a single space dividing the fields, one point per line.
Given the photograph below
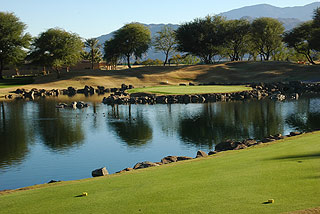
x=231 y=182
x=191 y=89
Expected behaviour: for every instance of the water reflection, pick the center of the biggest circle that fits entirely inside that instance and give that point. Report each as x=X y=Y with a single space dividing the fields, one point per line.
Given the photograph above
x=235 y=120
x=60 y=130
x=132 y=127
x=14 y=137
x=306 y=117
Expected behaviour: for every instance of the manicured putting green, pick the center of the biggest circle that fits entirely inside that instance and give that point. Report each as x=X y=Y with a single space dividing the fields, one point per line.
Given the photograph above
x=191 y=89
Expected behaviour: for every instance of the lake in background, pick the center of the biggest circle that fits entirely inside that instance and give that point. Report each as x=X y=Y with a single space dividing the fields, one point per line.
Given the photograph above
x=39 y=143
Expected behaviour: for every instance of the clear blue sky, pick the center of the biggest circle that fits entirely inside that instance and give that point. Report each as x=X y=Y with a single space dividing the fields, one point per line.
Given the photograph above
x=92 y=18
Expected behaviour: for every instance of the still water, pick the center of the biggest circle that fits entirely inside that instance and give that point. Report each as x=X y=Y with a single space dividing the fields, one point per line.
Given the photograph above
x=39 y=143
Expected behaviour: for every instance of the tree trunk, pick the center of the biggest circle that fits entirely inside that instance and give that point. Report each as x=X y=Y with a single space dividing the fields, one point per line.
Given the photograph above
x=1 y=68
x=92 y=59
x=309 y=58
x=128 y=60
x=166 y=60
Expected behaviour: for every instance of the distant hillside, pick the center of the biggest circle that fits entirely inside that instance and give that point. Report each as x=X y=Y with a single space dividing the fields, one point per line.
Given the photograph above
x=303 y=13
x=289 y=16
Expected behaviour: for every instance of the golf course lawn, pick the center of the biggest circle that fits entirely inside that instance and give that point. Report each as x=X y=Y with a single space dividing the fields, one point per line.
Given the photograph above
x=8 y=83
x=191 y=89
x=287 y=171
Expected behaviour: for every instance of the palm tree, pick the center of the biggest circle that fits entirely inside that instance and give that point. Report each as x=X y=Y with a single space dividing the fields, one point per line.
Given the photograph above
x=94 y=54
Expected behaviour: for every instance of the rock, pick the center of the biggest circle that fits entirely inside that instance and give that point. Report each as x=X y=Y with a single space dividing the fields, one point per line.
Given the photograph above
x=100 y=172
x=249 y=142
x=182 y=158
x=201 y=154
x=230 y=145
x=268 y=140
x=125 y=170
x=145 y=164
x=295 y=133
x=182 y=84
x=191 y=84
x=212 y=152
x=73 y=105
x=169 y=159
x=53 y=181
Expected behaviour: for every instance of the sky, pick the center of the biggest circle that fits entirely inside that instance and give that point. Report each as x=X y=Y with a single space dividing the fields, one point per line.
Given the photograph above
x=93 y=18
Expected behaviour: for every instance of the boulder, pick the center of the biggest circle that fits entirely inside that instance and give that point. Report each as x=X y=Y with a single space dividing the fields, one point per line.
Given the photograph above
x=100 y=172
x=295 y=133
x=169 y=159
x=201 y=154
x=230 y=145
x=145 y=164
x=249 y=142
x=212 y=152
x=125 y=170
x=182 y=158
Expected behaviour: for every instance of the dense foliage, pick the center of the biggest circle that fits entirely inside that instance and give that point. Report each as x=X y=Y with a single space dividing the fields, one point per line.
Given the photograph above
x=56 y=48
x=13 y=40
x=132 y=40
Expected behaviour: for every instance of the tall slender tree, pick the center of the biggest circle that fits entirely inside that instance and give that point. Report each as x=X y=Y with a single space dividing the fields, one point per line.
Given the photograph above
x=13 y=40
x=94 y=53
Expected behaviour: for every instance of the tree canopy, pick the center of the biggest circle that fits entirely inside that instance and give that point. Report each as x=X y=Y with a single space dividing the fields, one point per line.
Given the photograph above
x=13 y=40
x=56 y=48
x=165 y=41
x=202 y=37
x=94 y=54
x=299 y=38
x=237 y=38
x=132 y=40
x=266 y=35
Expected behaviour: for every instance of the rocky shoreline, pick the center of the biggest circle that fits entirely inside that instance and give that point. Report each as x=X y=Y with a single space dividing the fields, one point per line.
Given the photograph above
x=275 y=91
x=221 y=147
x=119 y=96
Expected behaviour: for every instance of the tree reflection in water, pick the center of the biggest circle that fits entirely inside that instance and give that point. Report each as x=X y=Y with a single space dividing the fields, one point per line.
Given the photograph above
x=132 y=128
x=14 y=136
x=234 y=120
x=58 y=130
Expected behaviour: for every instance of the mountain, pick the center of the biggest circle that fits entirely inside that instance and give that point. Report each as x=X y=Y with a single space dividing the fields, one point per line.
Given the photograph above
x=289 y=16
x=303 y=13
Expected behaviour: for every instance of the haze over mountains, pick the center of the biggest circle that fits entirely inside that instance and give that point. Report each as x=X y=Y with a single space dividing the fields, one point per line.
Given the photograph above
x=289 y=16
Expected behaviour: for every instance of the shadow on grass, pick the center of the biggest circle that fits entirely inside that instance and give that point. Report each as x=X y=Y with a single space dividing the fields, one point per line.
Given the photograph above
x=299 y=157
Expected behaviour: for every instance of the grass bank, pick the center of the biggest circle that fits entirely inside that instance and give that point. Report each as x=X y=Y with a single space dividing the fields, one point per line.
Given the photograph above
x=190 y=89
x=15 y=82
x=287 y=171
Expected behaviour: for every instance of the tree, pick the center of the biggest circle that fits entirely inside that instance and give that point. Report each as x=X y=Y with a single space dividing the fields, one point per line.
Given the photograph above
x=56 y=48
x=202 y=37
x=111 y=52
x=131 y=40
x=94 y=55
x=315 y=39
x=13 y=40
x=165 y=42
x=299 y=38
x=266 y=36
x=237 y=38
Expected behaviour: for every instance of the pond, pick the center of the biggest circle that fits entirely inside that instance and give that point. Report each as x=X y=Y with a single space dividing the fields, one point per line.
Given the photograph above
x=39 y=143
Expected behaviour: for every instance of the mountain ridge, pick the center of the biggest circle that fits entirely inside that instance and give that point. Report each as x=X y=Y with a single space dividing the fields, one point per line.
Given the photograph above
x=298 y=15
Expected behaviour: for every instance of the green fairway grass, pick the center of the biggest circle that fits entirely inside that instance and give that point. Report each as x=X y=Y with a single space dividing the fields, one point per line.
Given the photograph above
x=191 y=89
x=7 y=83
x=287 y=171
